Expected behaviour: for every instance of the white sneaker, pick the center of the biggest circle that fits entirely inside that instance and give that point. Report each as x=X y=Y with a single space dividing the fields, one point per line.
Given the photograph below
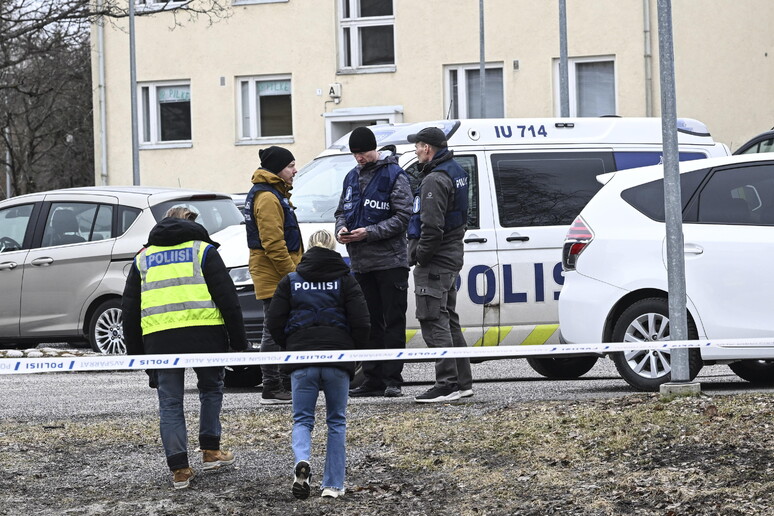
x=466 y=393
x=332 y=492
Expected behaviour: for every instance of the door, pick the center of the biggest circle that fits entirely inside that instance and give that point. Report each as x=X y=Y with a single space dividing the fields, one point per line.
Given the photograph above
x=538 y=195
x=728 y=250
x=15 y=235
x=477 y=301
x=59 y=276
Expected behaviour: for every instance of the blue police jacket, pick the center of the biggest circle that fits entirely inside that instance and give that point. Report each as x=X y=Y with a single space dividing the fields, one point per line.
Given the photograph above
x=315 y=303
x=457 y=215
x=373 y=206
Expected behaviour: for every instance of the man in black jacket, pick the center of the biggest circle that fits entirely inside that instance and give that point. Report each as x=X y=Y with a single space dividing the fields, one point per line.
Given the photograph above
x=435 y=234
x=319 y=307
x=179 y=298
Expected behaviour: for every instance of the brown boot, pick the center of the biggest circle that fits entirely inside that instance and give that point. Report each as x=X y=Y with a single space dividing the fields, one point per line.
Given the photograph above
x=214 y=459
x=181 y=478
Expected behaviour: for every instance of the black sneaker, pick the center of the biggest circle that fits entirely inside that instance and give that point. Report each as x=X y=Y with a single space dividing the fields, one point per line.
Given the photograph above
x=365 y=391
x=302 y=472
x=393 y=391
x=439 y=395
x=276 y=397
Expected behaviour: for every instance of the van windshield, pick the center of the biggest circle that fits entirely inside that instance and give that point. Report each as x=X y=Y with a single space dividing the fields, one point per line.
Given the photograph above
x=317 y=187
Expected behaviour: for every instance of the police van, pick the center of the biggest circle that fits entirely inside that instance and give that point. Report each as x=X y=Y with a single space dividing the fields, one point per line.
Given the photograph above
x=529 y=179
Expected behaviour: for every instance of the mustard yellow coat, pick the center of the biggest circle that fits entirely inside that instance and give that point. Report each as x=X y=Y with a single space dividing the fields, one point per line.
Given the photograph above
x=270 y=264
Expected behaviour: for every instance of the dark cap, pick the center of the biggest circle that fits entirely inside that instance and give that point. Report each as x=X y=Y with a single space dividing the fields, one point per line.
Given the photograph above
x=275 y=159
x=362 y=139
x=429 y=135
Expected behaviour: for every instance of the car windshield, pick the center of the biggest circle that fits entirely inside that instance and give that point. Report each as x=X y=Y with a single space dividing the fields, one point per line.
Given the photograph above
x=215 y=214
x=317 y=187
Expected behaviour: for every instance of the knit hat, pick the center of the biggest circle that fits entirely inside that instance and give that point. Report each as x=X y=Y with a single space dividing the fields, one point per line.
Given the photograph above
x=362 y=139
x=275 y=159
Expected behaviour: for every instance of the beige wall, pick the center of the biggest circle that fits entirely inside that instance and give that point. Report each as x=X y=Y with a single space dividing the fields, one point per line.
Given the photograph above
x=724 y=71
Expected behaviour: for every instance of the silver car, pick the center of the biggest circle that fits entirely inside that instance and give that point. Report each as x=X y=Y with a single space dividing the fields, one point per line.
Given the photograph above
x=65 y=255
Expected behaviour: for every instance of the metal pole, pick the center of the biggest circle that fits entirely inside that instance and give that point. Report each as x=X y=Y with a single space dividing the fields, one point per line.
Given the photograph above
x=482 y=61
x=7 y=162
x=678 y=318
x=564 y=79
x=133 y=87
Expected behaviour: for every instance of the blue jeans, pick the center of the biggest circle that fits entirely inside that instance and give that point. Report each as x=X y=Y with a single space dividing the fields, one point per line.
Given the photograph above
x=174 y=437
x=306 y=384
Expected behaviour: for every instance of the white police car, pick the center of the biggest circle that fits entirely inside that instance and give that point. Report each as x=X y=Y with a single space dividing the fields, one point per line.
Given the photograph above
x=529 y=178
x=615 y=286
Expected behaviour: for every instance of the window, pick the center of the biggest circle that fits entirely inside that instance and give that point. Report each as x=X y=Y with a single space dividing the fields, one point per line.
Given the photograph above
x=366 y=35
x=463 y=91
x=743 y=195
x=648 y=198
x=591 y=85
x=468 y=163
x=160 y=4
x=73 y=223
x=165 y=113
x=13 y=227
x=546 y=189
x=265 y=108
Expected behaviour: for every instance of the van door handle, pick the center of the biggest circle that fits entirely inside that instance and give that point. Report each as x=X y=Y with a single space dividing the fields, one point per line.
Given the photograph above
x=693 y=249
x=8 y=265
x=42 y=261
x=477 y=240
x=517 y=238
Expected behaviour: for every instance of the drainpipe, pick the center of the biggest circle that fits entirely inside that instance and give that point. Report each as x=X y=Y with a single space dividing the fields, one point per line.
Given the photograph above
x=101 y=88
x=648 y=58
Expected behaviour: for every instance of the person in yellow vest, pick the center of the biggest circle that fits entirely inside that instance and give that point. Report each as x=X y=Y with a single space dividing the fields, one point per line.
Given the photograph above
x=179 y=298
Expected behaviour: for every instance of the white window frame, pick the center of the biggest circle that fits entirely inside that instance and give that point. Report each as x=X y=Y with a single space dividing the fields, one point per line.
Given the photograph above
x=462 y=93
x=160 y=5
x=249 y=2
x=361 y=115
x=253 y=137
x=572 y=81
x=354 y=24
x=155 y=123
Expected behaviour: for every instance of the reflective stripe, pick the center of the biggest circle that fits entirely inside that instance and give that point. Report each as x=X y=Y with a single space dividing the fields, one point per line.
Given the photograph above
x=527 y=335
x=174 y=282
x=174 y=307
x=540 y=334
x=493 y=336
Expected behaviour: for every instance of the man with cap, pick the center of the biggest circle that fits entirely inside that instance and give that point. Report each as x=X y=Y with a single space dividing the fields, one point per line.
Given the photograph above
x=371 y=219
x=435 y=233
x=274 y=239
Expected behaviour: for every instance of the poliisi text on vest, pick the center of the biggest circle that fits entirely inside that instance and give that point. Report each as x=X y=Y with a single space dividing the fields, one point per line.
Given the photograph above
x=170 y=256
x=315 y=285
x=377 y=205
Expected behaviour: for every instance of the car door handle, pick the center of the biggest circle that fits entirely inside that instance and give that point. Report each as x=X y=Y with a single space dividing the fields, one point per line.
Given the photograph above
x=42 y=261
x=517 y=238
x=693 y=249
x=8 y=265
x=477 y=240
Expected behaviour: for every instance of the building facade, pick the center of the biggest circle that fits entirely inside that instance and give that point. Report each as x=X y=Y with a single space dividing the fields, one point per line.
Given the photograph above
x=302 y=73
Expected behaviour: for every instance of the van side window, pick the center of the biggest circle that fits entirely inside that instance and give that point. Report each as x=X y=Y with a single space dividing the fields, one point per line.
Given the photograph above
x=546 y=188
x=471 y=167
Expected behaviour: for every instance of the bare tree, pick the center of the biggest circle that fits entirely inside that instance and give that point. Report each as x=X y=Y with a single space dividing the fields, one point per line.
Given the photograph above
x=45 y=83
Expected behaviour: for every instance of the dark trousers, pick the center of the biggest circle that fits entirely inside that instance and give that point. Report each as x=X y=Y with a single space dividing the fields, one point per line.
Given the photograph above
x=386 y=294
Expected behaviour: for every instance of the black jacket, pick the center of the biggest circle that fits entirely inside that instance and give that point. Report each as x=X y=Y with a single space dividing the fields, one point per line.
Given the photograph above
x=193 y=339
x=319 y=264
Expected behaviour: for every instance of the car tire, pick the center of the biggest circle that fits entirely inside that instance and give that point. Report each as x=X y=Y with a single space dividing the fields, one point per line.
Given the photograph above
x=106 y=331
x=758 y=372
x=242 y=377
x=562 y=368
x=647 y=370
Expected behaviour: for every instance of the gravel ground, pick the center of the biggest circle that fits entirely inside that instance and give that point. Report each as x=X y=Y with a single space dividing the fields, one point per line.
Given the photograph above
x=635 y=454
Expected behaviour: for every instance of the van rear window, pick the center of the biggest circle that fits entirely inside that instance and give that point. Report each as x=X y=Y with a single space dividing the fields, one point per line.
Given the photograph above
x=546 y=188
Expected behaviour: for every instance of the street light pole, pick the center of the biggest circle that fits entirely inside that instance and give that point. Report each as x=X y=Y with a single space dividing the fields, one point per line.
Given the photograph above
x=564 y=79
x=482 y=60
x=133 y=87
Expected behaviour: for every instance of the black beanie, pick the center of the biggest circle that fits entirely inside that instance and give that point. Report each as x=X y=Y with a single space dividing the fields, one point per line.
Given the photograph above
x=362 y=139
x=275 y=159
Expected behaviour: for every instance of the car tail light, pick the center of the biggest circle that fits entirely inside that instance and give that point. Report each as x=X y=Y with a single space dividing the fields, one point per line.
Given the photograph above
x=578 y=237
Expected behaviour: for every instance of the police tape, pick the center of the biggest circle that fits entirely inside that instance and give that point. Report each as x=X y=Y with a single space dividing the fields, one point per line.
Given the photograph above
x=141 y=362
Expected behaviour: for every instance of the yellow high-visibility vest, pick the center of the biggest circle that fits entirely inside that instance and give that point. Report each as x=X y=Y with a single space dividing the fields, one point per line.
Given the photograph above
x=174 y=293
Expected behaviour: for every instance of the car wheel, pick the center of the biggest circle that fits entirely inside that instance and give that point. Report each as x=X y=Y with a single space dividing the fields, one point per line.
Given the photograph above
x=647 y=320
x=759 y=372
x=243 y=376
x=106 y=331
x=567 y=368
